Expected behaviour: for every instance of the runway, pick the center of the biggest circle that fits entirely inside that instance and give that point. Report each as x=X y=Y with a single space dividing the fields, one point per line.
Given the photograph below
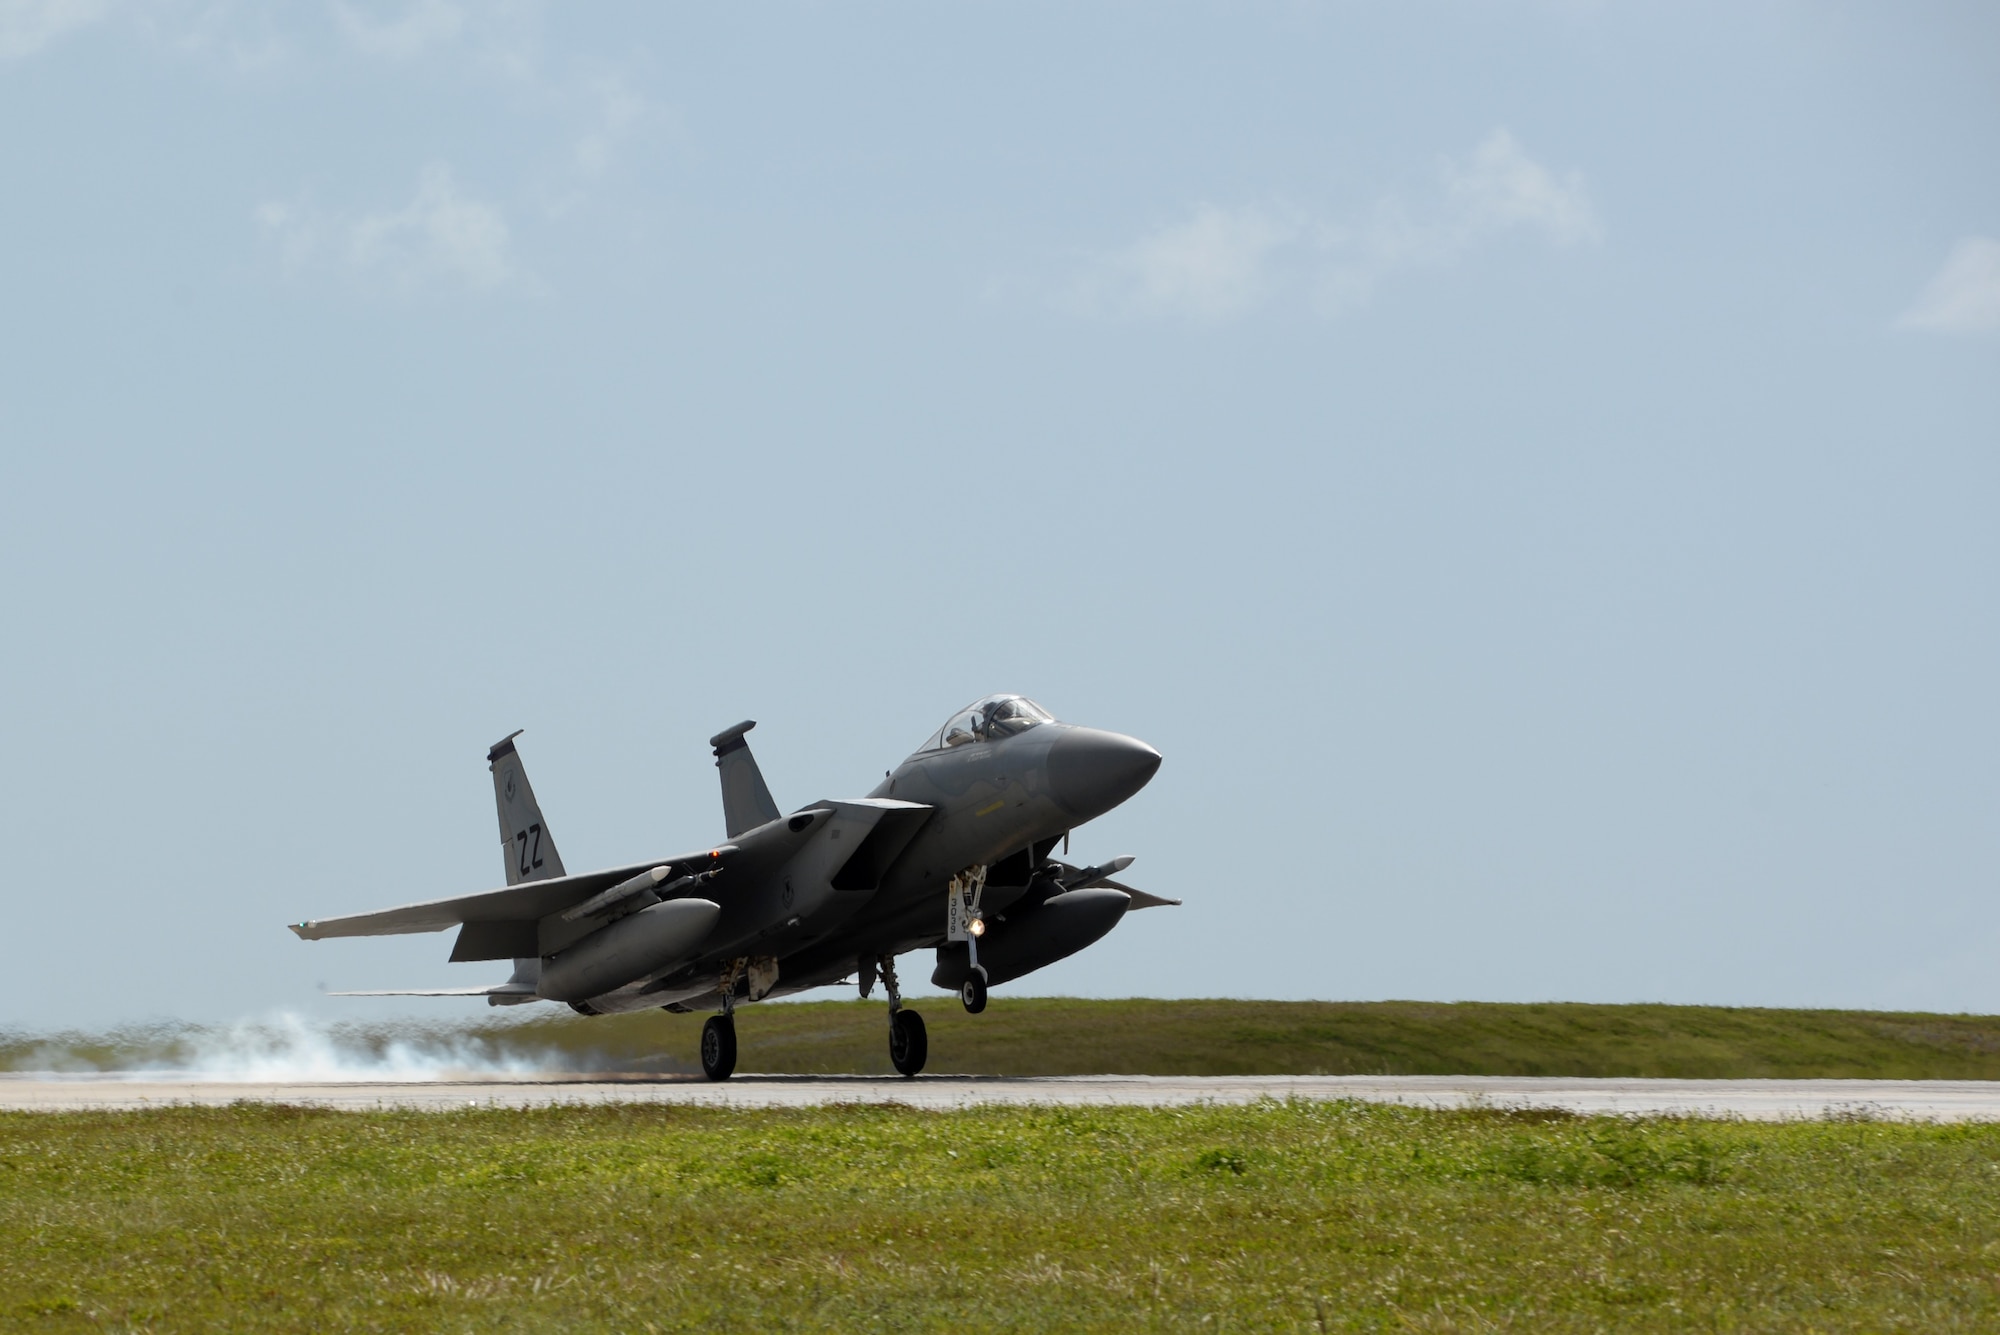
x=1758 y=1100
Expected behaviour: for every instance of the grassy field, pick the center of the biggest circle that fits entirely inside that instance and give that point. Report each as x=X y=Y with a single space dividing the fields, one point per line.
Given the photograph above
x=1293 y=1217
x=1061 y=1036
x=1057 y=1036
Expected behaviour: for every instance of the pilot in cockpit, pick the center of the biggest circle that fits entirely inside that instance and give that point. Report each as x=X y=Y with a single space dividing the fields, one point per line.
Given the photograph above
x=991 y=719
x=1006 y=716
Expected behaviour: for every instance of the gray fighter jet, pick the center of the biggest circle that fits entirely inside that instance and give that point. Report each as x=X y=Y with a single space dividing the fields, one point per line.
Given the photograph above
x=951 y=851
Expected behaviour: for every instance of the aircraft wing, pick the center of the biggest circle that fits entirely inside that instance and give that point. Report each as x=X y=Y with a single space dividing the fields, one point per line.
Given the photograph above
x=524 y=902
x=746 y=857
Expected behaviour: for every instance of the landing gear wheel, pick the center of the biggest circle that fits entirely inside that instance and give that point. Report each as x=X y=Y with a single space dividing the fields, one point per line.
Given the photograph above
x=972 y=993
x=718 y=1047
x=908 y=1044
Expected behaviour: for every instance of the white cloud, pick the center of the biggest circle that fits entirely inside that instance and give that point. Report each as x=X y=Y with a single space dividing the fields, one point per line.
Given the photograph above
x=1964 y=297
x=293 y=229
x=439 y=232
x=418 y=28
x=501 y=40
x=498 y=37
x=243 y=34
x=26 y=26
x=441 y=238
x=1503 y=187
x=1212 y=266
x=1222 y=262
x=614 y=110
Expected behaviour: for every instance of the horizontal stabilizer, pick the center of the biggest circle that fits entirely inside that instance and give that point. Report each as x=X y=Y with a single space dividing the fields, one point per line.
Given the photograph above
x=520 y=987
x=497 y=990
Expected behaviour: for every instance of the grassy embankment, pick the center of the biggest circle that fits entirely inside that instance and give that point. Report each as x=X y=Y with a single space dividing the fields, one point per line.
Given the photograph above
x=1062 y=1036
x=1058 y=1036
x=1278 y=1217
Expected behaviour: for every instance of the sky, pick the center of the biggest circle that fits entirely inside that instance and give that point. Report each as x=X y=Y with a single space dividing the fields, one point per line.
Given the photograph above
x=1531 y=468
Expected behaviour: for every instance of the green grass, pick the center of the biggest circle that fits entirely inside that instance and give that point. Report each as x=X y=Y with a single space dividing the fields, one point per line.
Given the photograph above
x=1293 y=1217
x=1058 y=1036
x=1061 y=1036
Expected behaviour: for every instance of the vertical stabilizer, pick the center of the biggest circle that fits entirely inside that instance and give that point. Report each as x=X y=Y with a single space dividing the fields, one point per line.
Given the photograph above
x=746 y=802
x=525 y=841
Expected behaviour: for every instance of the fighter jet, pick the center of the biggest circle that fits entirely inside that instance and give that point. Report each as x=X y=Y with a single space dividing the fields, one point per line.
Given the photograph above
x=951 y=852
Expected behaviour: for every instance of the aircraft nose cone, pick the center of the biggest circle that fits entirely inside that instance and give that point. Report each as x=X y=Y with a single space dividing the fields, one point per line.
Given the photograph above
x=1091 y=772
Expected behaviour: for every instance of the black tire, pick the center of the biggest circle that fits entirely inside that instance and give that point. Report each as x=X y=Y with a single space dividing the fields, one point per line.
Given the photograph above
x=972 y=993
x=908 y=1044
x=718 y=1047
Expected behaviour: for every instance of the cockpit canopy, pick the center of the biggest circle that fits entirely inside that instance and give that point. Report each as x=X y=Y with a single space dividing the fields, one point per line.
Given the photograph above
x=988 y=720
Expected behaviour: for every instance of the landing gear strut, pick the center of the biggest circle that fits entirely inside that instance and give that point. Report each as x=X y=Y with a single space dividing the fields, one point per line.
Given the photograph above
x=718 y=1036
x=964 y=922
x=909 y=1045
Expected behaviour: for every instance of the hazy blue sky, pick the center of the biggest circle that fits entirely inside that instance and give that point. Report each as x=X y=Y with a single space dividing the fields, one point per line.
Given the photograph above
x=1533 y=470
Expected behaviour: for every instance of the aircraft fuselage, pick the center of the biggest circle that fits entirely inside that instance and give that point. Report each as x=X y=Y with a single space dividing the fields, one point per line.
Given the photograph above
x=989 y=801
x=951 y=850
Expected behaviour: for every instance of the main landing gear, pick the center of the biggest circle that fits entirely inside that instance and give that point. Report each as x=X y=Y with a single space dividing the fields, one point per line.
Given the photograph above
x=718 y=1036
x=718 y=1047
x=909 y=1045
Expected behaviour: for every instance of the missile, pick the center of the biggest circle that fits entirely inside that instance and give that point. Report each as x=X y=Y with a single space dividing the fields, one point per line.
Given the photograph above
x=1090 y=876
x=646 y=880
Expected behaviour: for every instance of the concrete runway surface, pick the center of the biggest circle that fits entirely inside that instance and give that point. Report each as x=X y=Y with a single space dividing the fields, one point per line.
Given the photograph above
x=1763 y=1100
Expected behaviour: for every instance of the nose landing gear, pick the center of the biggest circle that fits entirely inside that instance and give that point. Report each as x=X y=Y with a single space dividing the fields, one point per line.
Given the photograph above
x=965 y=922
x=909 y=1045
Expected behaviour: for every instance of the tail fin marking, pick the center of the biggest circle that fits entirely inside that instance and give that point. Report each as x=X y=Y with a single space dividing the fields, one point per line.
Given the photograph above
x=526 y=844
